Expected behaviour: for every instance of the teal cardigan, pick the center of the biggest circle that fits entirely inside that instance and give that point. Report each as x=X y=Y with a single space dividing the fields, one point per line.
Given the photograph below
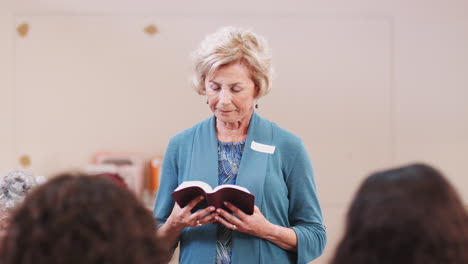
x=282 y=182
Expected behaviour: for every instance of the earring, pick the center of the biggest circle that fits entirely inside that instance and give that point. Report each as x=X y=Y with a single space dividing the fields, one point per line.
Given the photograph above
x=206 y=101
x=256 y=106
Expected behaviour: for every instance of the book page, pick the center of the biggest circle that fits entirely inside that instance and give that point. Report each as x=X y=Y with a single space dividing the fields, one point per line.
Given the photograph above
x=205 y=186
x=231 y=186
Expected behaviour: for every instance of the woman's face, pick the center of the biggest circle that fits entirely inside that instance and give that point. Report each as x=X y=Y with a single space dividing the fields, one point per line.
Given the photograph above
x=231 y=93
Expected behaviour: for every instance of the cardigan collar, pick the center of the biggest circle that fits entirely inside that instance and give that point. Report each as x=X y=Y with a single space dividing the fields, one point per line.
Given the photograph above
x=251 y=175
x=252 y=170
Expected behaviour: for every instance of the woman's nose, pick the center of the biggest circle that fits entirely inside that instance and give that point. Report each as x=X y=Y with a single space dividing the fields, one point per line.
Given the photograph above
x=225 y=97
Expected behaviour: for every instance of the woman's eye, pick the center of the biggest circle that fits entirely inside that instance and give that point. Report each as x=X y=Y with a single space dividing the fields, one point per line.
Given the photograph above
x=236 y=89
x=214 y=87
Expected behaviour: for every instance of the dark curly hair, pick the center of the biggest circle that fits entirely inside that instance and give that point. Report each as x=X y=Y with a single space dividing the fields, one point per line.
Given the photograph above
x=82 y=219
x=408 y=215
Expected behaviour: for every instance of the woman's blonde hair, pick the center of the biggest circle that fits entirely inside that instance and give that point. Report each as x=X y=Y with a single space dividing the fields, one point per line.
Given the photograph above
x=228 y=45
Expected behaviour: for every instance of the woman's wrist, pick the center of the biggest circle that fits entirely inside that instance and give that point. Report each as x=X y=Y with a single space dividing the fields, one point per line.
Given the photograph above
x=270 y=232
x=172 y=227
x=284 y=237
x=169 y=233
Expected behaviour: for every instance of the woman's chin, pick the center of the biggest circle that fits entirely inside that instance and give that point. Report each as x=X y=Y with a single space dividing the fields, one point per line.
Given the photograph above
x=227 y=117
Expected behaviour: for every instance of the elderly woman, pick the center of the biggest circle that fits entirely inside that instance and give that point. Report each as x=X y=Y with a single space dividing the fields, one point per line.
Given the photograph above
x=13 y=189
x=236 y=146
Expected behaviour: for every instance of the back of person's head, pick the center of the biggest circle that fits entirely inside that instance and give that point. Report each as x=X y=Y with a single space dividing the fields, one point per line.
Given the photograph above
x=82 y=219
x=408 y=215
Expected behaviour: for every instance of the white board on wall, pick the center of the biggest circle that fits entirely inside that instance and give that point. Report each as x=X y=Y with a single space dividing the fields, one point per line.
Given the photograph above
x=432 y=95
x=98 y=83
x=7 y=156
x=334 y=90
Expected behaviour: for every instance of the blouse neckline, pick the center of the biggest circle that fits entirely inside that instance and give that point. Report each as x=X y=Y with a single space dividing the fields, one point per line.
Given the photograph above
x=231 y=143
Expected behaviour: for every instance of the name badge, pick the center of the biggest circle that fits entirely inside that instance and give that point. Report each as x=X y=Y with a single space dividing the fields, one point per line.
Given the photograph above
x=262 y=147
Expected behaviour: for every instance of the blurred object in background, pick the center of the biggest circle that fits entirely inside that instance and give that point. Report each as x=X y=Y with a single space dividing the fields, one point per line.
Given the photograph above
x=95 y=169
x=152 y=183
x=131 y=167
x=25 y=161
x=114 y=177
x=109 y=171
x=155 y=171
x=13 y=189
x=14 y=186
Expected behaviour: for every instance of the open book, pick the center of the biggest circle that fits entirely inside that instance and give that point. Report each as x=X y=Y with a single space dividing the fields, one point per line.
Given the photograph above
x=238 y=196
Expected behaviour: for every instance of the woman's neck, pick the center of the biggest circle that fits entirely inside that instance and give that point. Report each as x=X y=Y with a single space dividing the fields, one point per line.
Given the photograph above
x=232 y=132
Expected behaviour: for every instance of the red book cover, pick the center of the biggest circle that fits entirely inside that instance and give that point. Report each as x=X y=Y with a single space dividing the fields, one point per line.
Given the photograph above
x=237 y=195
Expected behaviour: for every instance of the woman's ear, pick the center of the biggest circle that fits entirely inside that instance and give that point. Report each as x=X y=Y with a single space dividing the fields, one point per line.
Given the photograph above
x=257 y=93
x=202 y=91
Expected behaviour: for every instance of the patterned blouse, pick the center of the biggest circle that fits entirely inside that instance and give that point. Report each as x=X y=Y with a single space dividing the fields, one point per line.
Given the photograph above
x=229 y=158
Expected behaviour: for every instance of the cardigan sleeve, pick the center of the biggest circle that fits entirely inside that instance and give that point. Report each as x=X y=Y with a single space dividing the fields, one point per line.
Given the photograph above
x=169 y=181
x=305 y=214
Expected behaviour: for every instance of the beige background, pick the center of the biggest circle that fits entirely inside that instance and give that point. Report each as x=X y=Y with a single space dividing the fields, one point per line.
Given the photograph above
x=365 y=84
